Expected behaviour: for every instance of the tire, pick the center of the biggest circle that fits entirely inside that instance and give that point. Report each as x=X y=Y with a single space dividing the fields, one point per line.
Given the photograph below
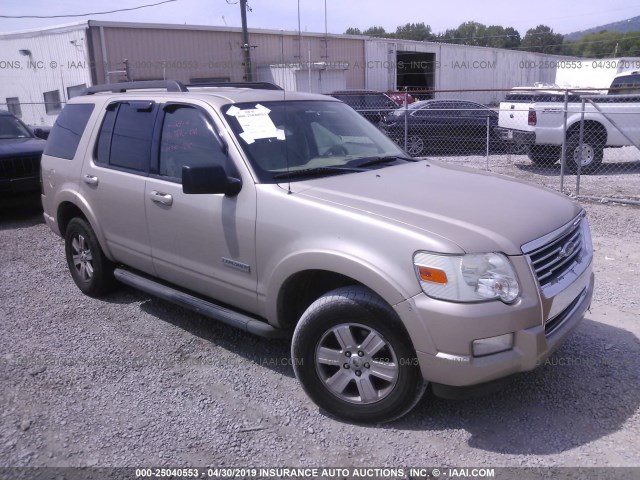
x=544 y=155
x=415 y=145
x=91 y=271
x=591 y=156
x=353 y=358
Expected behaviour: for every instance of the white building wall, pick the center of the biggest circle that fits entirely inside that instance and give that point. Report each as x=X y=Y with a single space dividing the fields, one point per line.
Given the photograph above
x=51 y=60
x=462 y=67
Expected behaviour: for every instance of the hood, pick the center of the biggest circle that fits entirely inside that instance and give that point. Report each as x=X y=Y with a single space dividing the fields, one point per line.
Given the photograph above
x=478 y=211
x=20 y=147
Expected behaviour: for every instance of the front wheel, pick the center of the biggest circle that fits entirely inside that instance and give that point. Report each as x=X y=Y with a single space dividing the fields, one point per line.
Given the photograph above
x=354 y=359
x=91 y=271
x=415 y=145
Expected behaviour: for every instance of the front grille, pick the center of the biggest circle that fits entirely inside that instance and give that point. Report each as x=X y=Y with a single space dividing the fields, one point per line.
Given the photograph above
x=19 y=167
x=551 y=261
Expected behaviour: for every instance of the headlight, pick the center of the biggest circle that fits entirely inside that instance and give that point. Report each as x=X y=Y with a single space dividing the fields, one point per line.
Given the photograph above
x=474 y=277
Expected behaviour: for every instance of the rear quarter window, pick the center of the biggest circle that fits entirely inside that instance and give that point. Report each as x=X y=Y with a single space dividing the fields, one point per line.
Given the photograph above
x=66 y=133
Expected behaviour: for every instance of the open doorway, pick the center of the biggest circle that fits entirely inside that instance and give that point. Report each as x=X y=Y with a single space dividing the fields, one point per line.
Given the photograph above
x=416 y=71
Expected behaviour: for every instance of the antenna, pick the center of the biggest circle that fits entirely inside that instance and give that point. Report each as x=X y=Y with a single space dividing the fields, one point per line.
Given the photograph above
x=286 y=119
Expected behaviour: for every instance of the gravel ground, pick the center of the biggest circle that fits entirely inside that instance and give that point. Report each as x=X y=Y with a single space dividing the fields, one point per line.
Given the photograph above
x=131 y=380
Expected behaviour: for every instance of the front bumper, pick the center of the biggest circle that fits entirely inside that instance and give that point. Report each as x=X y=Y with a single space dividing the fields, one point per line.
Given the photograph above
x=448 y=330
x=19 y=185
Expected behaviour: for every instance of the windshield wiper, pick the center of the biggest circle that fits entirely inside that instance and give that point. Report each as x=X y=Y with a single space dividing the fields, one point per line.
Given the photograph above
x=371 y=161
x=315 y=172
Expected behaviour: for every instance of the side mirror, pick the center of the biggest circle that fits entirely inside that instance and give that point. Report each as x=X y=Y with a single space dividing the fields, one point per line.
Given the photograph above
x=41 y=133
x=209 y=179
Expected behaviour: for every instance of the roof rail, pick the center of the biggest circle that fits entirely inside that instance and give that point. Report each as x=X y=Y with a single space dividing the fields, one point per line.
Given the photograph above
x=254 y=85
x=169 y=85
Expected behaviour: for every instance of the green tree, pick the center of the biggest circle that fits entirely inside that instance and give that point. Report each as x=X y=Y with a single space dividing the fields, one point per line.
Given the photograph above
x=605 y=44
x=353 y=31
x=542 y=40
x=375 y=32
x=415 y=31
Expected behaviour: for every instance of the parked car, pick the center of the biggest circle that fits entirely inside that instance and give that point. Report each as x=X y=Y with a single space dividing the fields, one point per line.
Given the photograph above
x=443 y=126
x=20 y=152
x=370 y=104
x=291 y=215
x=535 y=118
x=401 y=97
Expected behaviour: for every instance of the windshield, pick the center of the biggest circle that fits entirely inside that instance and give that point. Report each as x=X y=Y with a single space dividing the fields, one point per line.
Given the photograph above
x=299 y=139
x=11 y=127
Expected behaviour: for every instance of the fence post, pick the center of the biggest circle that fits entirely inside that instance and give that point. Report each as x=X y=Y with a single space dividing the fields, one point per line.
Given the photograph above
x=580 y=147
x=488 y=143
x=406 y=117
x=563 y=155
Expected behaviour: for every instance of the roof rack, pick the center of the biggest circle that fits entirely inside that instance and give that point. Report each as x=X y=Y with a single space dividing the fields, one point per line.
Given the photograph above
x=255 y=85
x=169 y=85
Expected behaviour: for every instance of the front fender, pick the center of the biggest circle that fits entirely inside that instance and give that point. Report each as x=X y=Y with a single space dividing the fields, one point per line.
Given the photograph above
x=392 y=284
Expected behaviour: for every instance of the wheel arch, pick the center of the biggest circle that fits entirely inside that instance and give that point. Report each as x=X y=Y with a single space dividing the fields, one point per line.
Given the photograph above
x=591 y=127
x=301 y=279
x=72 y=205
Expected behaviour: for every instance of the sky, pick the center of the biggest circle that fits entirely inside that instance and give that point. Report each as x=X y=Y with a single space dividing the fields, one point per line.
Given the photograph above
x=564 y=16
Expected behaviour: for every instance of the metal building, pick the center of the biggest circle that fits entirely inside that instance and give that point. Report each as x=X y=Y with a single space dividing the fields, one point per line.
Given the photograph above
x=41 y=69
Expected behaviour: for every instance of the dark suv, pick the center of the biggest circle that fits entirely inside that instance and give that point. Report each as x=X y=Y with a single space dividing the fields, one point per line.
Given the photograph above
x=370 y=104
x=20 y=152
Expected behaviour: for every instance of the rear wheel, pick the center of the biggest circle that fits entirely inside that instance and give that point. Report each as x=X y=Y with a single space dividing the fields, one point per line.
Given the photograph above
x=591 y=157
x=354 y=359
x=544 y=155
x=91 y=271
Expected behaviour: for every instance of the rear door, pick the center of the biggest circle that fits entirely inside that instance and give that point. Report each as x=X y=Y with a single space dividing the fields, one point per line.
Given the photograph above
x=113 y=181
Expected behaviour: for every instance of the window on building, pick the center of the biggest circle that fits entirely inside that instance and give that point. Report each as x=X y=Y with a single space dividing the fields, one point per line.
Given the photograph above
x=52 y=104
x=13 y=105
x=76 y=90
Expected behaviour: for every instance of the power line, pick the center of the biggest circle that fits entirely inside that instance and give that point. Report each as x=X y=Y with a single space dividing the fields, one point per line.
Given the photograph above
x=91 y=13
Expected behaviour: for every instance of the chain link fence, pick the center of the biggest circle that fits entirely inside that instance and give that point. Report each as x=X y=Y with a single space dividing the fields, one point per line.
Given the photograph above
x=583 y=143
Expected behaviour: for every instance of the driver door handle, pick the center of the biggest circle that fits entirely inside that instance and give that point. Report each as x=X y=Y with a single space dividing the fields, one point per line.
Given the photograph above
x=162 y=198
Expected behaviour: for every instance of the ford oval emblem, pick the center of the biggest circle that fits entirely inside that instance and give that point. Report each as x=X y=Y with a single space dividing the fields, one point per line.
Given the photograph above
x=567 y=249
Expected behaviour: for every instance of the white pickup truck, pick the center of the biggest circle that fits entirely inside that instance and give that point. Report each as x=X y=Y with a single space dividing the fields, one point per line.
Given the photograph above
x=534 y=117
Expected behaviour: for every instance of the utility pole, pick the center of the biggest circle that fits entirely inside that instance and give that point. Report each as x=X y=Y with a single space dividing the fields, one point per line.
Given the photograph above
x=246 y=47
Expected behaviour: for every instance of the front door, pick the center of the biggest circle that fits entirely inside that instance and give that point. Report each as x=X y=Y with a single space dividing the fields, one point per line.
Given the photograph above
x=204 y=242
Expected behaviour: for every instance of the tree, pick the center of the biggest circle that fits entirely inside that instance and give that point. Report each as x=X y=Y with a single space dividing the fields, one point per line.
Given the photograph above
x=415 y=31
x=542 y=40
x=605 y=44
x=353 y=31
x=471 y=33
x=474 y=33
x=376 y=32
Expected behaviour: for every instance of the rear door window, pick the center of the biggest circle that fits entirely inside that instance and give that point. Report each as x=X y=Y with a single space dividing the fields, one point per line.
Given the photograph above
x=125 y=137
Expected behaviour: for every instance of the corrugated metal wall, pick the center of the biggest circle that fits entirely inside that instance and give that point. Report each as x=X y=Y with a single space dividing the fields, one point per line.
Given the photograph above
x=54 y=61
x=187 y=54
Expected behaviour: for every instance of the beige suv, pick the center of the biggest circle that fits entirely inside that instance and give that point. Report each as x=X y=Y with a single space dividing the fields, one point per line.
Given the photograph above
x=285 y=213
